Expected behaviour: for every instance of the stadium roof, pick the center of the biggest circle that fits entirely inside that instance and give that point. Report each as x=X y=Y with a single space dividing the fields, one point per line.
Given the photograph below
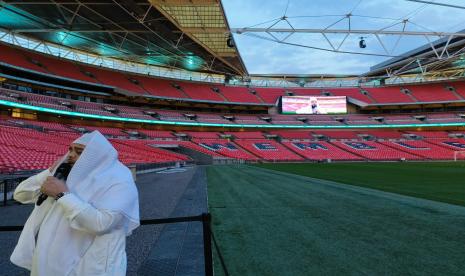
x=193 y=34
x=182 y=34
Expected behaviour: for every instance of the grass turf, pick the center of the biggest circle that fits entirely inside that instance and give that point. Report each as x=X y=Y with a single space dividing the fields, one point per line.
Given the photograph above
x=441 y=181
x=271 y=223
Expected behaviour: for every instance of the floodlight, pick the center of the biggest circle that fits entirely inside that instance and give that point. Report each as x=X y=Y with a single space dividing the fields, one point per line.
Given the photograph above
x=230 y=41
x=362 y=44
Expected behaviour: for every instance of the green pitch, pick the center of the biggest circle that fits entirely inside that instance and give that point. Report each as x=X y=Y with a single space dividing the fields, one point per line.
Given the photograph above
x=269 y=222
x=441 y=181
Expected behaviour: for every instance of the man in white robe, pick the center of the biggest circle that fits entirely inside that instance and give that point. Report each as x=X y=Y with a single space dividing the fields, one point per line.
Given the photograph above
x=81 y=228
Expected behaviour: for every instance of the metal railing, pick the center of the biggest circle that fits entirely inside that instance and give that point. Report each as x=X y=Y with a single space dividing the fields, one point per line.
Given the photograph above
x=8 y=185
x=208 y=236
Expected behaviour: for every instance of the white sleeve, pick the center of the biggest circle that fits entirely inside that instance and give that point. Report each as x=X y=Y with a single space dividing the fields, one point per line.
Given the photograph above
x=28 y=191
x=85 y=217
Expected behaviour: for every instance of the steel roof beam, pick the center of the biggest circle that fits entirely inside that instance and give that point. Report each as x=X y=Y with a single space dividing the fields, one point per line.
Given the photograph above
x=185 y=2
x=65 y=3
x=50 y=30
x=459 y=44
x=342 y=31
x=438 y=4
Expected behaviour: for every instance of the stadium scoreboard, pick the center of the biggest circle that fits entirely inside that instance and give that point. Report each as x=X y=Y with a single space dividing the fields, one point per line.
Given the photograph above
x=313 y=104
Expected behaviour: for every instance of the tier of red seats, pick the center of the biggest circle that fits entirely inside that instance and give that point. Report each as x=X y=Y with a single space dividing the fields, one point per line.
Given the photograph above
x=290 y=134
x=286 y=119
x=452 y=145
x=211 y=118
x=157 y=133
x=286 y=134
x=306 y=92
x=171 y=115
x=115 y=79
x=272 y=150
x=159 y=87
x=200 y=91
x=246 y=134
x=338 y=134
x=46 y=125
x=430 y=134
x=383 y=134
x=459 y=88
x=28 y=149
x=360 y=122
x=350 y=92
x=60 y=67
x=378 y=151
x=238 y=94
x=138 y=151
x=320 y=150
x=269 y=95
x=147 y=85
x=432 y=93
x=188 y=144
x=388 y=95
x=113 y=131
x=17 y=58
x=225 y=148
x=249 y=120
x=422 y=149
x=202 y=134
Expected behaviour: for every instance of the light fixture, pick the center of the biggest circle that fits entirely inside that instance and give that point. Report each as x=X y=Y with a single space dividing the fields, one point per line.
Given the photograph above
x=362 y=44
x=230 y=41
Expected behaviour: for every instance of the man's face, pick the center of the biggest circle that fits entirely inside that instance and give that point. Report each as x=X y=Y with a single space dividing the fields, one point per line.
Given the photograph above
x=75 y=151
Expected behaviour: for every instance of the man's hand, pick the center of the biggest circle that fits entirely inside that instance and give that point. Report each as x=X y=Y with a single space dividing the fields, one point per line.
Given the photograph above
x=53 y=186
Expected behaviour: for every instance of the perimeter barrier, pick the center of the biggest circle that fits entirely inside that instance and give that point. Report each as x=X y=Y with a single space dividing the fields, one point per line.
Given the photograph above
x=8 y=185
x=208 y=236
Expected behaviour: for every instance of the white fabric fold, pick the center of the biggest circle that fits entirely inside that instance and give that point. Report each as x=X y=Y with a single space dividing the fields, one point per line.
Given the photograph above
x=84 y=139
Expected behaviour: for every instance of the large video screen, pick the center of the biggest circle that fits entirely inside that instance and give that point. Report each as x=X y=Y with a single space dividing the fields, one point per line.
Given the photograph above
x=313 y=104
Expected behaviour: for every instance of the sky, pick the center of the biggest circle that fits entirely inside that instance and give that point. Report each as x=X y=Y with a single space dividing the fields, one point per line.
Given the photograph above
x=262 y=56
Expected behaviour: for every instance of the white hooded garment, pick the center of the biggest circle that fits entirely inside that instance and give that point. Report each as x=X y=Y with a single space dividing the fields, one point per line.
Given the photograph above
x=84 y=232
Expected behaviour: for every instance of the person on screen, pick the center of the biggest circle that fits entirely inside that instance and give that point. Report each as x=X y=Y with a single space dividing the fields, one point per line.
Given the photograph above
x=314 y=105
x=82 y=216
x=311 y=108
